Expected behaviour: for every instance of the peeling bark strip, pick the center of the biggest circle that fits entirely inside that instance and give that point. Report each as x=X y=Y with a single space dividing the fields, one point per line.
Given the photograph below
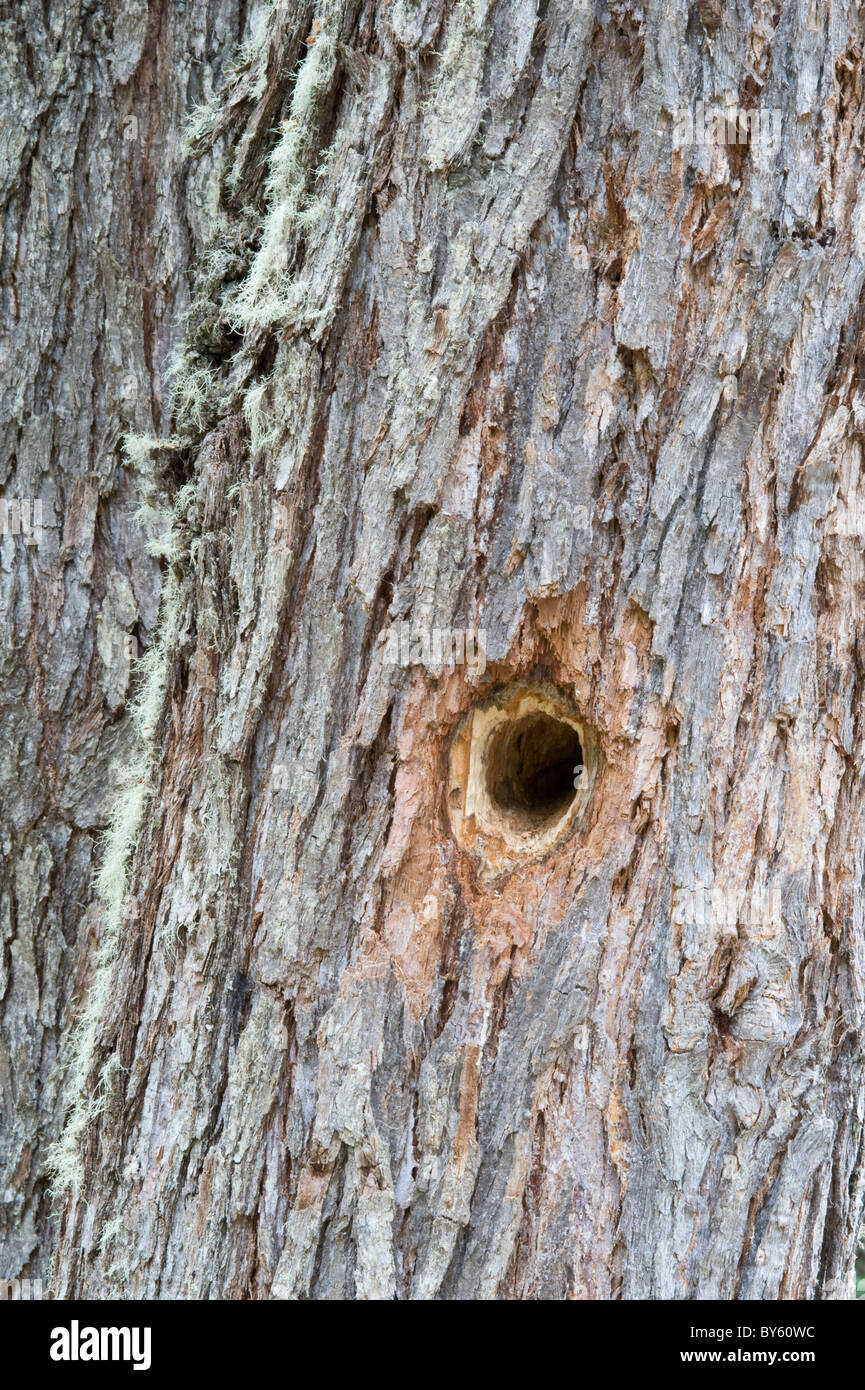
x=483 y=348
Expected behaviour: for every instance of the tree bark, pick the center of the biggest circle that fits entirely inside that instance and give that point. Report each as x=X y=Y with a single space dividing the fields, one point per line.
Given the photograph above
x=498 y=347
x=100 y=226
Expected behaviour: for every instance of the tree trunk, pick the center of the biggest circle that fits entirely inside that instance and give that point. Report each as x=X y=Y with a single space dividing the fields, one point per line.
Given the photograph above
x=100 y=227
x=533 y=968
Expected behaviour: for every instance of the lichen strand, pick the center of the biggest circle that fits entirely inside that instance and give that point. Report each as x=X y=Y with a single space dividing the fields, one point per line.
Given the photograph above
x=102 y=222
x=481 y=393
x=84 y=1092
x=193 y=387
x=265 y=297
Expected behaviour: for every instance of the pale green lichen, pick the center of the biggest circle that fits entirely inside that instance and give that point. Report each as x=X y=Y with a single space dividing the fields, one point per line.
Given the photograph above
x=139 y=449
x=191 y=383
x=199 y=123
x=261 y=422
x=153 y=515
x=85 y=1099
x=155 y=521
x=249 y=56
x=263 y=297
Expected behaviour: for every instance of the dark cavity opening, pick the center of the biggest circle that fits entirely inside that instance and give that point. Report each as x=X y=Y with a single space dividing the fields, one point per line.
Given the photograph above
x=534 y=768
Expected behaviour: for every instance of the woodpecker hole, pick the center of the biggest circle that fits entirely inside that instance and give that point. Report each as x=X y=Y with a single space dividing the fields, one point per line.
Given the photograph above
x=521 y=769
x=534 y=766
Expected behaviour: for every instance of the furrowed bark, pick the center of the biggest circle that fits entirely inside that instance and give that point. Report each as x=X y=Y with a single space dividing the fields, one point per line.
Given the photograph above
x=101 y=223
x=495 y=349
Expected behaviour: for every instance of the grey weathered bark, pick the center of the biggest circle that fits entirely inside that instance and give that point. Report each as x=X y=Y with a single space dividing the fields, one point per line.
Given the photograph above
x=101 y=224
x=346 y=1039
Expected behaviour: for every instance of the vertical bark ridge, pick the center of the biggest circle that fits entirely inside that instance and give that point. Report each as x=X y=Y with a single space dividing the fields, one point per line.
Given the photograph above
x=506 y=354
x=100 y=226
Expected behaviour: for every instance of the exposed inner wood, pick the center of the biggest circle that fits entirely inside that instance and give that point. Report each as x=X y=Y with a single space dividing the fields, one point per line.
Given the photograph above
x=480 y=342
